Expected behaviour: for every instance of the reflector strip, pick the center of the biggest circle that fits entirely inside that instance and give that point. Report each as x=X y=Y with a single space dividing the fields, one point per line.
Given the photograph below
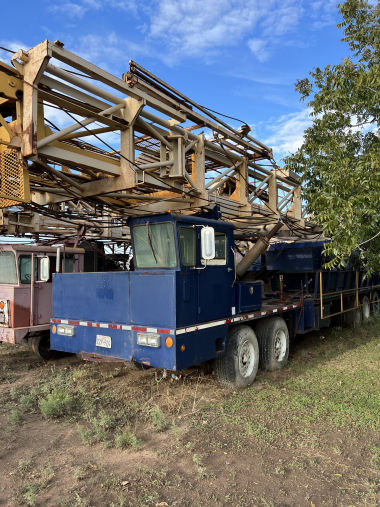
x=112 y=326
x=230 y=320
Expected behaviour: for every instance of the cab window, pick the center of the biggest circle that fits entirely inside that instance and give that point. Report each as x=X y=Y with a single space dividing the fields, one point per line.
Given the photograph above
x=25 y=266
x=220 y=251
x=8 y=267
x=187 y=245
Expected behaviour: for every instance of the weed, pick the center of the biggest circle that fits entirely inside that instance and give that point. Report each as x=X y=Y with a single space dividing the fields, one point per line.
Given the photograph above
x=27 y=401
x=280 y=471
x=24 y=465
x=6 y=367
x=159 y=419
x=15 y=418
x=127 y=438
x=57 y=404
x=86 y=435
x=197 y=459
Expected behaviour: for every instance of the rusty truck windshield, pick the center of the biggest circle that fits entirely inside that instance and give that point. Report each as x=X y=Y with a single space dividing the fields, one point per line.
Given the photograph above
x=8 y=273
x=154 y=245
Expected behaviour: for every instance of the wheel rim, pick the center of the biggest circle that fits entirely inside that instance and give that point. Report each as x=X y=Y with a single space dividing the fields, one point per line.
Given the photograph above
x=366 y=311
x=280 y=345
x=246 y=359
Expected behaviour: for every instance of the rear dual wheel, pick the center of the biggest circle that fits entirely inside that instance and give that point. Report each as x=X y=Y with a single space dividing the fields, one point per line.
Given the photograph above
x=355 y=316
x=237 y=368
x=273 y=336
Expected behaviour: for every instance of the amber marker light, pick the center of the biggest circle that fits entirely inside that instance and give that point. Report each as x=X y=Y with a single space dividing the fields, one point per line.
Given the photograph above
x=2 y=304
x=169 y=342
x=54 y=328
x=183 y=348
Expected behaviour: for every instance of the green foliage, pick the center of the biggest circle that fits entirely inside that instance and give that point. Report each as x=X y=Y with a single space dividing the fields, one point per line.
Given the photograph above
x=57 y=404
x=159 y=419
x=15 y=418
x=127 y=438
x=340 y=157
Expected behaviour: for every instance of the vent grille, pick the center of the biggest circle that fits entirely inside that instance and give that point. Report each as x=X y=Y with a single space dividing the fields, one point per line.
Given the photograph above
x=12 y=179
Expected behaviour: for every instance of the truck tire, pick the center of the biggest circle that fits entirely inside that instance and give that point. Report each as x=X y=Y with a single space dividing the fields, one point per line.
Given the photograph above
x=375 y=304
x=273 y=336
x=40 y=345
x=354 y=317
x=366 y=312
x=237 y=368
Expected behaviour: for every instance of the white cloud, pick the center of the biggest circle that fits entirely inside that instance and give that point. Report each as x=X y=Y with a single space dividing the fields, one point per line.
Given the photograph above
x=325 y=11
x=259 y=48
x=286 y=134
x=110 y=52
x=70 y=9
x=196 y=27
x=78 y=10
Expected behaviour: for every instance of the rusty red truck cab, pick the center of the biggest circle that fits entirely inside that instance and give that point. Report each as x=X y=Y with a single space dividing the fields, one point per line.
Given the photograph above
x=26 y=300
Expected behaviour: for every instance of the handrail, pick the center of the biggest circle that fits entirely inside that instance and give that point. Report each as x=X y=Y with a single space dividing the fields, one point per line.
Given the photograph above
x=344 y=291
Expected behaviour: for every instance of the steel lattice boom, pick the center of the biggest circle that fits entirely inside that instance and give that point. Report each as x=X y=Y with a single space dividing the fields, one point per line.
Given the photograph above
x=172 y=153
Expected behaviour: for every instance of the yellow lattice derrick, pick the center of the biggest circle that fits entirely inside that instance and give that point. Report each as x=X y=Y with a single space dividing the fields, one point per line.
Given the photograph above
x=14 y=184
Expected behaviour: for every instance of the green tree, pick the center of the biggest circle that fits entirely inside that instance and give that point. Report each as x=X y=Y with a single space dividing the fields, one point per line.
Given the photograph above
x=340 y=157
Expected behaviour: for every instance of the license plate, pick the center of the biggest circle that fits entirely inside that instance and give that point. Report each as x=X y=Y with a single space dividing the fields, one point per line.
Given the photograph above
x=103 y=341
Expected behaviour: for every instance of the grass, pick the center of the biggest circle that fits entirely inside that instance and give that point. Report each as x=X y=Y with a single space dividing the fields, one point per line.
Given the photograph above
x=314 y=423
x=158 y=418
x=16 y=418
x=57 y=404
x=127 y=438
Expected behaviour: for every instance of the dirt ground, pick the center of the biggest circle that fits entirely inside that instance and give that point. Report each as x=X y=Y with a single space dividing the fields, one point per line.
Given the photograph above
x=81 y=434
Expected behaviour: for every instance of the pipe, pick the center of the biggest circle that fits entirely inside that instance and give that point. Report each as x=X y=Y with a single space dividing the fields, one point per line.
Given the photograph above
x=254 y=253
x=32 y=290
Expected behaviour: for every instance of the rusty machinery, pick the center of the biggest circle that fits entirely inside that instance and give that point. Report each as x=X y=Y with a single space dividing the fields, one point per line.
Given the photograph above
x=171 y=154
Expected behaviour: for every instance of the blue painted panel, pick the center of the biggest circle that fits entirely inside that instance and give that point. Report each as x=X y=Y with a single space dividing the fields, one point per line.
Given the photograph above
x=85 y=340
x=304 y=256
x=153 y=298
x=200 y=345
x=216 y=294
x=187 y=298
x=162 y=357
x=309 y=314
x=102 y=297
x=248 y=296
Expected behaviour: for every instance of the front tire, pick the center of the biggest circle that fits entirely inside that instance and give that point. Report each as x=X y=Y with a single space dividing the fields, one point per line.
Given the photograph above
x=273 y=336
x=40 y=345
x=237 y=368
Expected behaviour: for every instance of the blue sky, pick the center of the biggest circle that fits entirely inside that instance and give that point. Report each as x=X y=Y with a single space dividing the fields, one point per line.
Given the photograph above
x=239 y=57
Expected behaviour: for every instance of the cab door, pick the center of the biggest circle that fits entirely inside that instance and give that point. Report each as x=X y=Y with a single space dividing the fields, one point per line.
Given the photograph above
x=215 y=281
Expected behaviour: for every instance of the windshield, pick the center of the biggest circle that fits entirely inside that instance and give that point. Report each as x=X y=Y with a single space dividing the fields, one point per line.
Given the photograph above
x=8 y=272
x=154 y=245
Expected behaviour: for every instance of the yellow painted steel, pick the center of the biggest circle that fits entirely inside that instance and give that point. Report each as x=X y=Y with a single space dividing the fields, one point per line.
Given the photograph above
x=341 y=292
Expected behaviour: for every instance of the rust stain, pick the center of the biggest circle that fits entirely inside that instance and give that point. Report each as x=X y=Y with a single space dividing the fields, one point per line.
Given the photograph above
x=98 y=358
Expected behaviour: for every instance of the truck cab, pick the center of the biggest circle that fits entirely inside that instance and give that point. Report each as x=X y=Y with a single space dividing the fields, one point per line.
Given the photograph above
x=172 y=311
x=26 y=299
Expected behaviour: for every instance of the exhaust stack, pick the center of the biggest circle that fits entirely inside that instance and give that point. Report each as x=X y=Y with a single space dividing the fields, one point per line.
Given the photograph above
x=255 y=252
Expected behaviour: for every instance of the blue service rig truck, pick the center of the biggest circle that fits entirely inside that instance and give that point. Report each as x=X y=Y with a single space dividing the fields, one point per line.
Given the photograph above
x=187 y=300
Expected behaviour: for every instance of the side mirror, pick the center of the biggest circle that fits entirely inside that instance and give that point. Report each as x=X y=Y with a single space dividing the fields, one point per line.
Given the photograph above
x=208 y=243
x=44 y=269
